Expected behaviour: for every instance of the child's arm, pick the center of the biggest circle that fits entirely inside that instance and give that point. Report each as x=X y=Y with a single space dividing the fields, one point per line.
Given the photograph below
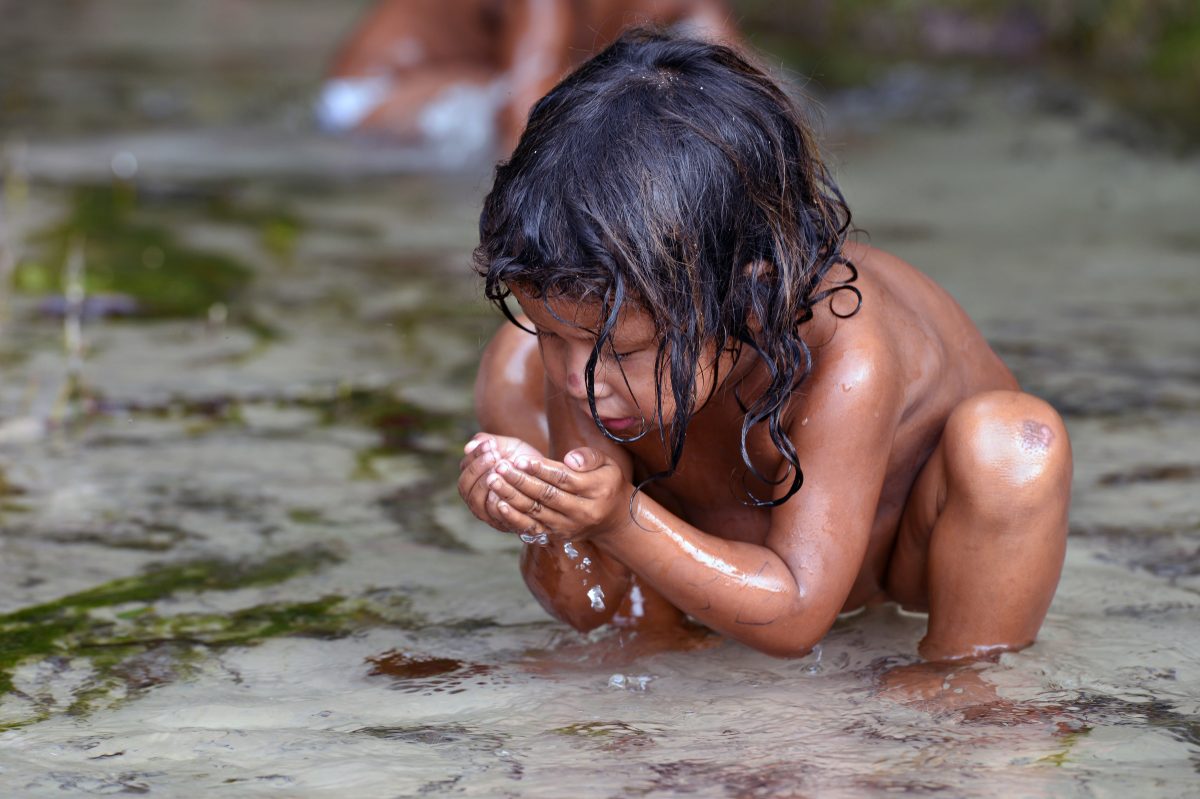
x=780 y=597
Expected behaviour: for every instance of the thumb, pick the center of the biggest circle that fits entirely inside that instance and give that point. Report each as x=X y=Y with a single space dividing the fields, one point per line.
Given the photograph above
x=584 y=459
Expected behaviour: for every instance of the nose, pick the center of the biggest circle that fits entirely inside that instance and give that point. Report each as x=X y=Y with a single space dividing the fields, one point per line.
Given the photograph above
x=577 y=369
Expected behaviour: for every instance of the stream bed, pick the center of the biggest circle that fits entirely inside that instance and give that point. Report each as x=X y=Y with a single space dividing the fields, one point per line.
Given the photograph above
x=236 y=361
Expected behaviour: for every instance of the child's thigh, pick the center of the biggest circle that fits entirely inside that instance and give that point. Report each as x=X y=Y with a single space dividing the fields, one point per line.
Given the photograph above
x=991 y=500
x=510 y=393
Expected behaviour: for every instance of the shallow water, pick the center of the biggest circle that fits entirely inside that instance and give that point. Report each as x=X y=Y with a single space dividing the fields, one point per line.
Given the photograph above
x=233 y=558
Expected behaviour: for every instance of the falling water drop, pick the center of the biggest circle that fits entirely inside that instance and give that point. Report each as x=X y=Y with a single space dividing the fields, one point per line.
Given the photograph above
x=596 y=594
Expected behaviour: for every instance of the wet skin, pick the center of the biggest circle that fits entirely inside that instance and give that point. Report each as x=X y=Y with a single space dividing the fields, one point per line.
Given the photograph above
x=929 y=478
x=429 y=46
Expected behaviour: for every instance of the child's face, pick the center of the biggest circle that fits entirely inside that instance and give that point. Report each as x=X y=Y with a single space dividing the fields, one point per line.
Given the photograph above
x=625 y=372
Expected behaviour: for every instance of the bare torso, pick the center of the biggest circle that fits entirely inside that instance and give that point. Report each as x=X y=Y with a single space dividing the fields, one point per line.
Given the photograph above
x=944 y=359
x=929 y=479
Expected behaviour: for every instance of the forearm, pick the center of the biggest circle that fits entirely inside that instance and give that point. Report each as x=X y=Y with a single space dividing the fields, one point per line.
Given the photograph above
x=580 y=586
x=742 y=590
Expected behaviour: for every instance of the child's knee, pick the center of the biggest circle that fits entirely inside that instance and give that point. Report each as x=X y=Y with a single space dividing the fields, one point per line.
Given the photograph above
x=1010 y=452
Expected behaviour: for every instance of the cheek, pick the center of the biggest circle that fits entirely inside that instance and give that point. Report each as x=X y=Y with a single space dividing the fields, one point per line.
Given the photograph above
x=642 y=384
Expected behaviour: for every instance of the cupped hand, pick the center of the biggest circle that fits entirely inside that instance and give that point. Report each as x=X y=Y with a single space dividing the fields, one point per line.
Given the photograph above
x=584 y=496
x=482 y=453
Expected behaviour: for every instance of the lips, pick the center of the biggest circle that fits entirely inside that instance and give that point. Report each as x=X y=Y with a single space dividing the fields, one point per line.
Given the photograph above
x=621 y=424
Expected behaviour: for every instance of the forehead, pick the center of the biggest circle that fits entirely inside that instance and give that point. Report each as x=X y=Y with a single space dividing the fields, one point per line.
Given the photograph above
x=554 y=313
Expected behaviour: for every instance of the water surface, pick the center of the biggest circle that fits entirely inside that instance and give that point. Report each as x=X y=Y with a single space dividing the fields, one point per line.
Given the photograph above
x=232 y=556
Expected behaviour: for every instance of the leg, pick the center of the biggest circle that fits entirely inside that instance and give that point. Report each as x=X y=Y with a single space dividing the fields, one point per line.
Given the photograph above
x=983 y=536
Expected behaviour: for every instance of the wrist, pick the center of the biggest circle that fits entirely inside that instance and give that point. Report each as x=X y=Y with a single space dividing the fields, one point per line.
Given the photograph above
x=618 y=524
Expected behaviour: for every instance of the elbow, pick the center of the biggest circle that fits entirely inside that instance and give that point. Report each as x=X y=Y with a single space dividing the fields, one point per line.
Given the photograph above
x=787 y=638
x=788 y=650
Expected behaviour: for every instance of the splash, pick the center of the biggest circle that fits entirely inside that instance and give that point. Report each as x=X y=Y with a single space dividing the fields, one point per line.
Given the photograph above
x=630 y=682
x=596 y=594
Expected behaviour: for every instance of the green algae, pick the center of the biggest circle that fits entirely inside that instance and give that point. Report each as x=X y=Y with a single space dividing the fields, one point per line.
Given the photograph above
x=598 y=729
x=131 y=649
x=50 y=628
x=395 y=419
x=176 y=645
x=128 y=256
x=306 y=516
x=278 y=228
x=1061 y=757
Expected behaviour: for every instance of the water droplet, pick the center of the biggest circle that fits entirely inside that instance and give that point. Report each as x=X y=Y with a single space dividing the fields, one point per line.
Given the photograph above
x=570 y=550
x=596 y=594
x=630 y=682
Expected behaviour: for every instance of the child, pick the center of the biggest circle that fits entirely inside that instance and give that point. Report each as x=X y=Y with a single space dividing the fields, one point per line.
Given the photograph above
x=728 y=411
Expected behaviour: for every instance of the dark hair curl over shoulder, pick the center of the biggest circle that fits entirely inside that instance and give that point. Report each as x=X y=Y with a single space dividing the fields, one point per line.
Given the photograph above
x=673 y=174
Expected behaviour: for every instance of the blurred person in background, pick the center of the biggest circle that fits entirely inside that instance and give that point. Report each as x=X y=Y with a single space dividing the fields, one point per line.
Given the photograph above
x=463 y=74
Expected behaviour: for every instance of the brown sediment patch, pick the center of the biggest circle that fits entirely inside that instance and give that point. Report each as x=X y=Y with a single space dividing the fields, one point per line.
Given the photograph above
x=1153 y=473
x=426 y=675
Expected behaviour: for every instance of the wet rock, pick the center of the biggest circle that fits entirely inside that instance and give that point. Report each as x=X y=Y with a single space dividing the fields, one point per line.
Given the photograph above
x=1173 y=472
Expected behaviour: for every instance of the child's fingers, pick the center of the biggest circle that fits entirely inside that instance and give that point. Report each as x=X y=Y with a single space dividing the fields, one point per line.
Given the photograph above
x=584 y=459
x=528 y=506
x=475 y=441
x=472 y=485
x=550 y=473
x=519 y=522
x=533 y=486
x=474 y=450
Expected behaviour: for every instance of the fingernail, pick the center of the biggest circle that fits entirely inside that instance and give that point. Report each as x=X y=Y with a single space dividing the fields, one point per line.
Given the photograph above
x=574 y=460
x=502 y=467
x=493 y=480
x=522 y=463
x=493 y=496
x=471 y=445
x=489 y=457
x=503 y=505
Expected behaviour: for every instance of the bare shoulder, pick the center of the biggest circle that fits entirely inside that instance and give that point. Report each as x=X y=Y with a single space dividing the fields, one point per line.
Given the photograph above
x=940 y=353
x=880 y=270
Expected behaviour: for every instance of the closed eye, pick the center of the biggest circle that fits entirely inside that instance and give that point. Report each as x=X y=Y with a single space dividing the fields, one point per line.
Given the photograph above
x=620 y=356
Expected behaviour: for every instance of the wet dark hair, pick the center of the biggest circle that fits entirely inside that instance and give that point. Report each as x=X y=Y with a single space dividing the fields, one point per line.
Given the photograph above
x=675 y=175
